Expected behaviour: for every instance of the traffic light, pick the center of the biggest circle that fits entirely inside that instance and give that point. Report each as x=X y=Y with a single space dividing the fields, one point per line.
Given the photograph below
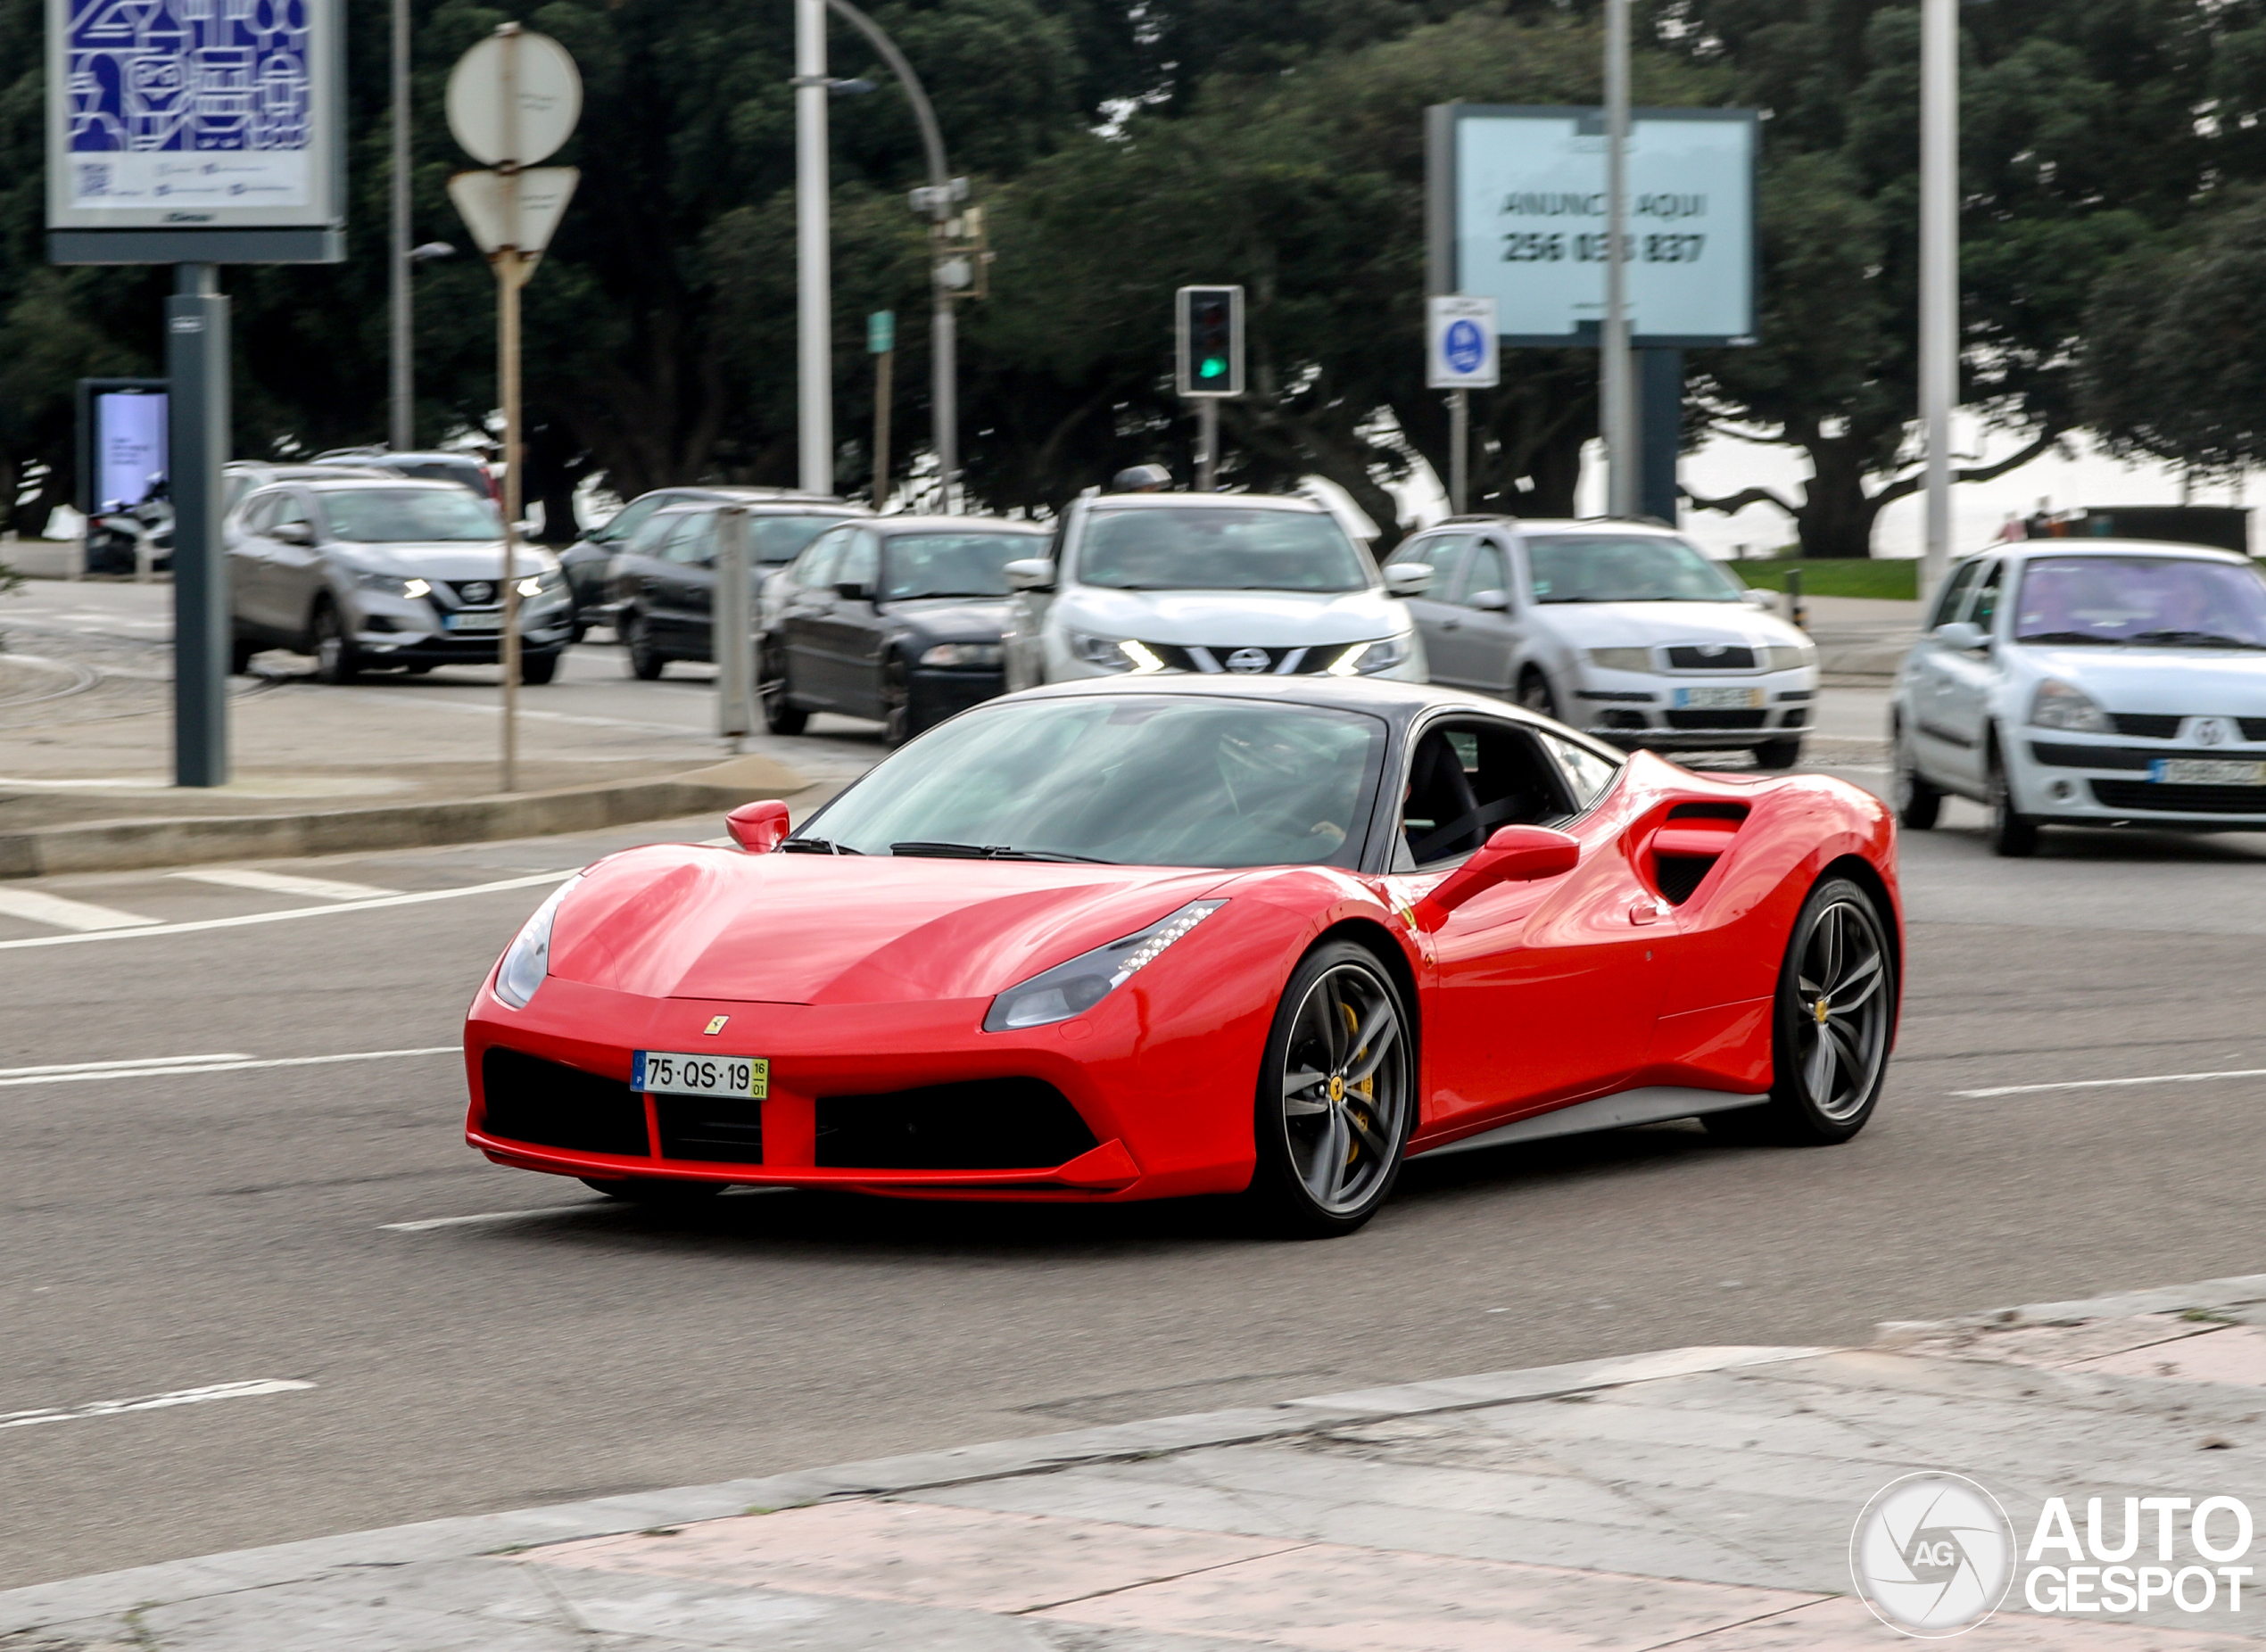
x=1208 y=330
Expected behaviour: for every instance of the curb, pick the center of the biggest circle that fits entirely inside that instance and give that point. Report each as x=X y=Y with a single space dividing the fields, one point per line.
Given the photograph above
x=125 y=846
x=2233 y=1291
x=43 y=1605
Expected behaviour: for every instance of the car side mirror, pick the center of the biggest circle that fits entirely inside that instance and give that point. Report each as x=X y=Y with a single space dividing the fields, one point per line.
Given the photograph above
x=1513 y=854
x=1031 y=573
x=1755 y=599
x=1407 y=579
x=1491 y=602
x=292 y=534
x=853 y=590
x=757 y=826
x=1963 y=634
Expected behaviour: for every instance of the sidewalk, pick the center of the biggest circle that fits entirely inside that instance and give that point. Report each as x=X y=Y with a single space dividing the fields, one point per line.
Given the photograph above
x=1702 y=1498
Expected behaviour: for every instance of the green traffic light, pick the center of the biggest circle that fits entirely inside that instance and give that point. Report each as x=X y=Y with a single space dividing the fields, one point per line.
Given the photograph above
x=1211 y=366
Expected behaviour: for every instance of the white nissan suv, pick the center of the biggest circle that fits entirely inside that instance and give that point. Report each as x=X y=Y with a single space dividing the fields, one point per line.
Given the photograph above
x=1243 y=582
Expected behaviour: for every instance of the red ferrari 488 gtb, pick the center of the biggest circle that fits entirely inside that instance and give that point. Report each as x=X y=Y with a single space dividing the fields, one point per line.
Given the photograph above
x=1149 y=936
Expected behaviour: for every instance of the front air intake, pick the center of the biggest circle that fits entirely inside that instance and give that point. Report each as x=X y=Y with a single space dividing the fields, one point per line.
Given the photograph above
x=990 y=1124
x=549 y=1105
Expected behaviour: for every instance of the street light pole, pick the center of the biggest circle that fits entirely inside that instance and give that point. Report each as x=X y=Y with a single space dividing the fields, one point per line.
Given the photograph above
x=813 y=277
x=402 y=425
x=1939 y=273
x=1616 y=395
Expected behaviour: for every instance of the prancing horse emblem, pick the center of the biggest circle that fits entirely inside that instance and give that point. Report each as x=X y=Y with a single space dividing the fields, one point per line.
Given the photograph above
x=716 y=1025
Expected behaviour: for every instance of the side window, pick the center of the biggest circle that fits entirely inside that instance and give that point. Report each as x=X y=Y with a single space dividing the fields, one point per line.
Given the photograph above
x=1489 y=570
x=1468 y=777
x=861 y=562
x=1587 y=775
x=256 y=514
x=1986 y=602
x=1442 y=552
x=629 y=519
x=689 y=544
x=1953 y=592
x=815 y=569
x=648 y=537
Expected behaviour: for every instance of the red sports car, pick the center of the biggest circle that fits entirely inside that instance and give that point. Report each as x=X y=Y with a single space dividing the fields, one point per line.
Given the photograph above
x=1142 y=937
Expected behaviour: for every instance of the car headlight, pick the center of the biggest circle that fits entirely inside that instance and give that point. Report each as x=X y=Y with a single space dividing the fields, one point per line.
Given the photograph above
x=1107 y=652
x=1789 y=655
x=963 y=654
x=1365 y=659
x=2058 y=704
x=527 y=960
x=546 y=582
x=394 y=585
x=1623 y=659
x=1074 y=987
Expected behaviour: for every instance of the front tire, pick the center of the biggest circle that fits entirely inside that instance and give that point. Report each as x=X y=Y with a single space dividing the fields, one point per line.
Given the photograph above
x=1832 y=1019
x=1779 y=754
x=240 y=652
x=336 y=660
x=780 y=716
x=1918 y=803
x=1534 y=694
x=897 y=703
x=1336 y=1096
x=537 y=669
x=646 y=662
x=2013 y=835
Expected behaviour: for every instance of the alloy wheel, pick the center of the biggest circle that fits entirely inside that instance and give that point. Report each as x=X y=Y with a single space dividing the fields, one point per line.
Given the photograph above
x=1841 y=1008
x=1346 y=1089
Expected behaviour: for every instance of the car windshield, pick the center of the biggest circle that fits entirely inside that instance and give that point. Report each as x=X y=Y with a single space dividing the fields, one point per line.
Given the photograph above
x=953 y=565
x=777 y=540
x=1139 y=780
x=1596 y=567
x=1226 y=549
x=408 y=516
x=2158 y=601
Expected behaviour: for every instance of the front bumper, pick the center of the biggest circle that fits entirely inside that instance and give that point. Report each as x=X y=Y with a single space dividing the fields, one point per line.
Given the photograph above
x=2096 y=779
x=1165 y=1117
x=938 y=692
x=408 y=630
x=1641 y=709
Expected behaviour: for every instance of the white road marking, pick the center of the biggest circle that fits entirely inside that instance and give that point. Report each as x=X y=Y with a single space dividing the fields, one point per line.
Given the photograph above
x=2104 y=1083
x=223 y=1064
x=287 y=883
x=147 y=1060
x=82 y=916
x=428 y=1224
x=296 y=911
x=153 y=1402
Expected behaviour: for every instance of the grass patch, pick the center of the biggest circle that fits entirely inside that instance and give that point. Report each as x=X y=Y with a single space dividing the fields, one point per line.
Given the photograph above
x=1837 y=576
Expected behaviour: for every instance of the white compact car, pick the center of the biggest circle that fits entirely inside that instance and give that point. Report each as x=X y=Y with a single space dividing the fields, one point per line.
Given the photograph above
x=1623 y=629
x=2089 y=683
x=1242 y=582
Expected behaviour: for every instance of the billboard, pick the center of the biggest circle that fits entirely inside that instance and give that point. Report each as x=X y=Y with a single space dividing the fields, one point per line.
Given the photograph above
x=121 y=440
x=1518 y=215
x=212 y=114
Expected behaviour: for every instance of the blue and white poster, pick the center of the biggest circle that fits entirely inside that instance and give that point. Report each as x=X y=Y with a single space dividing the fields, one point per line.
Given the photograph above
x=184 y=112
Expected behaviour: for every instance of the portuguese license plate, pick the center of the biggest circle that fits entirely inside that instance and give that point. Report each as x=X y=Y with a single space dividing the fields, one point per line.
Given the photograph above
x=2206 y=772
x=472 y=622
x=668 y=1073
x=1718 y=699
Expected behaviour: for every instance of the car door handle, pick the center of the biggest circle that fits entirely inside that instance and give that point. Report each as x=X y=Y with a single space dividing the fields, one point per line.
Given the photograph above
x=1644 y=911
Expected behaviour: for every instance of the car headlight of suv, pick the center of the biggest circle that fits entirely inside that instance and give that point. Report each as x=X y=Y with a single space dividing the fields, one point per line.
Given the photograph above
x=2058 y=704
x=1107 y=652
x=1789 y=655
x=1623 y=659
x=1074 y=987
x=394 y=585
x=1366 y=659
x=527 y=960
x=963 y=654
x=549 y=582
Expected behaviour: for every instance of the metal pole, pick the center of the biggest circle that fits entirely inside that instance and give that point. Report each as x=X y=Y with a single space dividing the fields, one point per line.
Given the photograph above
x=1615 y=391
x=197 y=439
x=1459 y=450
x=510 y=275
x=1939 y=273
x=734 y=629
x=944 y=391
x=813 y=280
x=884 y=365
x=1207 y=442
x=1659 y=376
x=402 y=426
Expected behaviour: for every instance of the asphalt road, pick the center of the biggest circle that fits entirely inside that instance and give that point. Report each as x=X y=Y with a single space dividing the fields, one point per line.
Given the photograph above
x=166 y=1233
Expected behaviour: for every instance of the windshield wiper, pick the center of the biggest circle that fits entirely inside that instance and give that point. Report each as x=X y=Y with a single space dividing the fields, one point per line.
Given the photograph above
x=986 y=851
x=2193 y=638
x=814 y=845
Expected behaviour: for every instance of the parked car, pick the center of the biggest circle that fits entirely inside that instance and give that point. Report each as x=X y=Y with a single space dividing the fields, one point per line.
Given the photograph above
x=468 y=471
x=1242 y=582
x=394 y=573
x=239 y=476
x=2088 y=682
x=589 y=561
x=663 y=579
x=897 y=619
x=1619 y=628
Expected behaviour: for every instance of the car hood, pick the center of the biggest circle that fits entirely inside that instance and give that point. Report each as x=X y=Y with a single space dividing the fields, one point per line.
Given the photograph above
x=445 y=559
x=2168 y=682
x=1233 y=618
x=677 y=921
x=961 y=619
x=1645 y=625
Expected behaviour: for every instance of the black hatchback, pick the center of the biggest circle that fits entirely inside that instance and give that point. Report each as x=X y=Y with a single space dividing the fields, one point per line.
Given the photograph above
x=896 y=618
x=662 y=578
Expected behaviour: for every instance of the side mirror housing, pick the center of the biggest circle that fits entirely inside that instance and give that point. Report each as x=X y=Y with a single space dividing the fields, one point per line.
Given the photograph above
x=1490 y=602
x=1513 y=854
x=852 y=590
x=1031 y=573
x=757 y=826
x=1407 y=579
x=1963 y=634
x=292 y=534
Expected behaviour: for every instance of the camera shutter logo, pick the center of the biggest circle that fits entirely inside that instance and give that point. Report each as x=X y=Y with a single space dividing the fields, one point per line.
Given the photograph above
x=1932 y=1555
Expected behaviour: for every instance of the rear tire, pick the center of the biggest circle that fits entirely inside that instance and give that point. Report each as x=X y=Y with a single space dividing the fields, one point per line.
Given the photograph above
x=780 y=715
x=896 y=702
x=1918 y=803
x=1534 y=694
x=2013 y=835
x=1336 y=1096
x=336 y=660
x=240 y=652
x=652 y=1190
x=538 y=669
x=1778 y=754
x=1827 y=1066
x=646 y=662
